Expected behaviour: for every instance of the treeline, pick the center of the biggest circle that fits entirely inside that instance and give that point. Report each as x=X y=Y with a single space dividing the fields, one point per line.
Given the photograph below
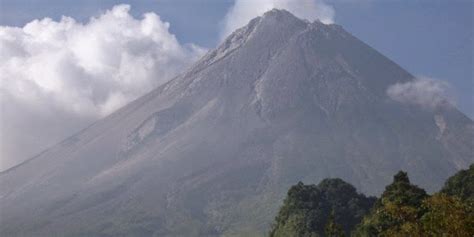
x=335 y=208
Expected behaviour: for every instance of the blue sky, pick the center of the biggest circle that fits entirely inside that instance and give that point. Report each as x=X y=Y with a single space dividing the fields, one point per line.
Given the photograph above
x=86 y=70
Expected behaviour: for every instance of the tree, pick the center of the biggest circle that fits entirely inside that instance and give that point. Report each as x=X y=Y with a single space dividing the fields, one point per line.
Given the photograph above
x=397 y=211
x=461 y=185
x=402 y=210
x=306 y=209
x=333 y=229
x=447 y=216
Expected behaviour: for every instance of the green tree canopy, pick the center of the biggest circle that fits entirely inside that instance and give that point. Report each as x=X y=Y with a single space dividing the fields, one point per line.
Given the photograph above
x=461 y=185
x=332 y=228
x=307 y=209
x=334 y=208
x=397 y=210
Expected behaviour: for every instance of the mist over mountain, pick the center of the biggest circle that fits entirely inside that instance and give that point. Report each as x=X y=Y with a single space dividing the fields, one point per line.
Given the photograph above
x=213 y=151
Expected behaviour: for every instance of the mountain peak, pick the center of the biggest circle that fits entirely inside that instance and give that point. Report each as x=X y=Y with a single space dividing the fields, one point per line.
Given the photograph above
x=275 y=12
x=273 y=21
x=281 y=16
x=273 y=25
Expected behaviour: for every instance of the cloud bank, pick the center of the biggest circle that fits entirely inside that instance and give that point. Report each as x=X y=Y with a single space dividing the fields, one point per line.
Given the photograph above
x=58 y=76
x=244 y=10
x=422 y=91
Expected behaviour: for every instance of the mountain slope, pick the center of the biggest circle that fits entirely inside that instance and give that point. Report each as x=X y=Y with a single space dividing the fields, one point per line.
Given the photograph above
x=213 y=151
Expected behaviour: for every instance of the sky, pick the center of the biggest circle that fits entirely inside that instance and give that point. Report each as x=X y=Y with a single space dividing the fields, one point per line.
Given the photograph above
x=66 y=63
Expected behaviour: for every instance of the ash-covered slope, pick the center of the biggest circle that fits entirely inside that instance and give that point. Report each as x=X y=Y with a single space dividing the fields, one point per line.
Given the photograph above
x=213 y=151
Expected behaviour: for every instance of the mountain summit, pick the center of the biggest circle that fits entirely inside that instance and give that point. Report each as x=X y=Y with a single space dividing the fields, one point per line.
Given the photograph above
x=213 y=151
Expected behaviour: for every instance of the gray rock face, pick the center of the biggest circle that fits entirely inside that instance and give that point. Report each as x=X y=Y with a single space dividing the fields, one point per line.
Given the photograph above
x=213 y=151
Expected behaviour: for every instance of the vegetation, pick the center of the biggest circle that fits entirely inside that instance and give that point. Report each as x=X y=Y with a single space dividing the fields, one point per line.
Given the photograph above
x=461 y=185
x=334 y=208
x=333 y=229
x=397 y=211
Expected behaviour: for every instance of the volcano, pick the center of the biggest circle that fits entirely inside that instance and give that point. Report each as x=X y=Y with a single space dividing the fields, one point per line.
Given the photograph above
x=213 y=151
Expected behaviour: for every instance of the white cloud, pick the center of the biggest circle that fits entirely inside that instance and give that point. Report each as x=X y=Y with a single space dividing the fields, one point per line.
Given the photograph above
x=57 y=76
x=244 y=10
x=422 y=91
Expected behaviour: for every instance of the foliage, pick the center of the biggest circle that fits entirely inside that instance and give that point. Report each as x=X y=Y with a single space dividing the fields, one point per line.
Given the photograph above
x=396 y=212
x=447 y=216
x=307 y=209
x=406 y=210
x=461 y=185
x=333 y=229
x=334 y=208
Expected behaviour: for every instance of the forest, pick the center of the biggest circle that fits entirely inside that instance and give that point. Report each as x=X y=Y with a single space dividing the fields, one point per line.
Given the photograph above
x=334 y=208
